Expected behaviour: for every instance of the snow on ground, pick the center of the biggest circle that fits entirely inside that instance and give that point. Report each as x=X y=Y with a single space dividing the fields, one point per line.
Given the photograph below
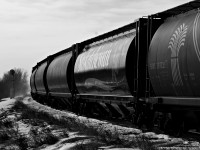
x=23 y=128
x=124 y=134
x=83 y=123
x=73 y=140
x=64 y=143
x=6 y=103
x=104 y=128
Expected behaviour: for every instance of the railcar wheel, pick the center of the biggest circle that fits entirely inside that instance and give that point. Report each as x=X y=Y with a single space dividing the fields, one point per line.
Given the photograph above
x=178 y=123
x=82 y=108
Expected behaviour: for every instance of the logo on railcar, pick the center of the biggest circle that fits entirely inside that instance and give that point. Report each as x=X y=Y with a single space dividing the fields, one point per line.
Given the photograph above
x=94 y=60
x=177 y=40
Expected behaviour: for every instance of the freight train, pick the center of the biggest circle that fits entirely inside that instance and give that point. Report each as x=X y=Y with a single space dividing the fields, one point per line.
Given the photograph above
x=146 y=71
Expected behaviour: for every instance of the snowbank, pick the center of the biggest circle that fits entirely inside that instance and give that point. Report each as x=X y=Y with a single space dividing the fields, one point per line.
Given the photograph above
x=99 y=126
x=6 y=103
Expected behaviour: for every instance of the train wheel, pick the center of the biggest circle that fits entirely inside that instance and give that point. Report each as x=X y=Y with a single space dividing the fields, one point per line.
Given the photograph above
x=177 y=123
x=141 y=122
x=82 y=108
x=143 y=117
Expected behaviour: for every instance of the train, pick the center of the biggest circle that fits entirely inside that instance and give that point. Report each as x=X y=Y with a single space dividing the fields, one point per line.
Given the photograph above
x=146 y=72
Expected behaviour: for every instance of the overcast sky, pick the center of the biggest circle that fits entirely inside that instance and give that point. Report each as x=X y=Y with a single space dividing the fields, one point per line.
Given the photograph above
x=30 y=30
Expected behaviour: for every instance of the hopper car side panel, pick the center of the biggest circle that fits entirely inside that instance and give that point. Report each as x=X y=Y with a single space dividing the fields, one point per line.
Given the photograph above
x=39 y=78
x=57 y=74
x=101 y=69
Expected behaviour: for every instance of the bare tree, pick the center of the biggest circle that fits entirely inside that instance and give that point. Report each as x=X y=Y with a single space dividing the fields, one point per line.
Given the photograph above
x=20 y=83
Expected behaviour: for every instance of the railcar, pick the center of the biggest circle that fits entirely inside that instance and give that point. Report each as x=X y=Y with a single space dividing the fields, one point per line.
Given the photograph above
x=173 y=66
x=52 y=80
x=146 y=71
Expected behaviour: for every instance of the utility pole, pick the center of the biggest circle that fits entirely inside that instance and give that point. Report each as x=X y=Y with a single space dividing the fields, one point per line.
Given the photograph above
x=12 y=90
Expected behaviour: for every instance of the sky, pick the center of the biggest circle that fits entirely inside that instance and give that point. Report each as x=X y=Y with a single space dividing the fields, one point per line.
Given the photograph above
x=31 y=30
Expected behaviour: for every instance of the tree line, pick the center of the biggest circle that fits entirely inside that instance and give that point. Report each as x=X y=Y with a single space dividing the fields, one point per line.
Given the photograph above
x=16 y=78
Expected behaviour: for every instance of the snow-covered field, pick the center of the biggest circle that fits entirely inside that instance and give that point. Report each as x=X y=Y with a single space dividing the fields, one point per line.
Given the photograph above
x=6 y=103
x=87 y=133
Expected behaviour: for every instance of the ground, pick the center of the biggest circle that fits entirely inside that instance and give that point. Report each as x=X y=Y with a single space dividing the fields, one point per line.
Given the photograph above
x=26 y=124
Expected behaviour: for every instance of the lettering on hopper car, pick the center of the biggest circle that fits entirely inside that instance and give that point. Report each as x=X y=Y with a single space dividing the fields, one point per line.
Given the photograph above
x=93 y=60
x=190 y=76
x=158 y=65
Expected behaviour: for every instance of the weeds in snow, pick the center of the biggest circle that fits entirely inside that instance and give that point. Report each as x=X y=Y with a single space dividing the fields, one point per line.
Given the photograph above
x=9 y=134
x=39 y=134
x=41 y=118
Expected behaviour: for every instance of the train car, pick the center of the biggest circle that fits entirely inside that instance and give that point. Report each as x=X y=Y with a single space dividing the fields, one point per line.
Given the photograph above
x=110 y=70
x=52 y=80
x=38 y=80
x=173 y=57
x=173 y=65
x=32 y=84
x=60 y=79
x=37 y=83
